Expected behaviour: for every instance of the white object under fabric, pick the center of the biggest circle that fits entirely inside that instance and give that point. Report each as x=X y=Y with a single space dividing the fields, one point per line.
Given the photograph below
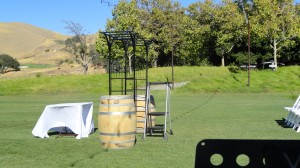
x=76 y=116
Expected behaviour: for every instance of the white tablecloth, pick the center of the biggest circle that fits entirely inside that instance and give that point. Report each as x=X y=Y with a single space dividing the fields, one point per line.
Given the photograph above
x=76 y=116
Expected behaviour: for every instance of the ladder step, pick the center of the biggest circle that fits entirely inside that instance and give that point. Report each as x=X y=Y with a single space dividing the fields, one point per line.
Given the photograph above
x=156 y=128
x=157 y=113
x=140 y=100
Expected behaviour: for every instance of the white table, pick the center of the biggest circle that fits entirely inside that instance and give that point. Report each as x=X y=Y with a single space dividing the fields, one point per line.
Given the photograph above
x=76 y=116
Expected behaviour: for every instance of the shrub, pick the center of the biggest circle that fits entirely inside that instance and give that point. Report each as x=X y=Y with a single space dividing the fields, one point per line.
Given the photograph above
x=38 y=74
x=59 y=62
x=233 y=68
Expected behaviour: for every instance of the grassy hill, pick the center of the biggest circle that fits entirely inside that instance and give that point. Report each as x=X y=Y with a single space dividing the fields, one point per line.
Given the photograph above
x=30 y=44
x=201 y=80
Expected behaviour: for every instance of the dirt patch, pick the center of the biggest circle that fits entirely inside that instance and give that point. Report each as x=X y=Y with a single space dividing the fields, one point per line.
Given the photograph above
x=63 y=70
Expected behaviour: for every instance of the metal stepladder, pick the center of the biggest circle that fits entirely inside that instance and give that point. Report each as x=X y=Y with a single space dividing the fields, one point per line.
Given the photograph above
x=161 y=128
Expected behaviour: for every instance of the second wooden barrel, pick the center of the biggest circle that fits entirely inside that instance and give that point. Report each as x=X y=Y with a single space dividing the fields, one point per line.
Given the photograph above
x=117 y=121
x=140 y=113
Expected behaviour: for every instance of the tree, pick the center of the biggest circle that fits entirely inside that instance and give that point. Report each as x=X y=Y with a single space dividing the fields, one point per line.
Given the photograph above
x=227 y=28
x=7 y=62
x=207 y=33
x=201 y=40
x=219 y=27
x=278 y=22
x=157 y=20
x=163 y=22
x=80 y=45
x=125 y=17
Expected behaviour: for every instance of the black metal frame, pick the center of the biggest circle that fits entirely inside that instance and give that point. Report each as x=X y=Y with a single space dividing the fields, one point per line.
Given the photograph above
x=258 y=153
x=127 y=39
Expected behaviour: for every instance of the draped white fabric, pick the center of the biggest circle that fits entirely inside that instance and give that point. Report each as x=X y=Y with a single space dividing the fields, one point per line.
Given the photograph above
x=76 y=116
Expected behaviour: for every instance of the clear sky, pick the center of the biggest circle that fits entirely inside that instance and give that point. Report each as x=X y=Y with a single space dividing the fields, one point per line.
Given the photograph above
x=51 y=14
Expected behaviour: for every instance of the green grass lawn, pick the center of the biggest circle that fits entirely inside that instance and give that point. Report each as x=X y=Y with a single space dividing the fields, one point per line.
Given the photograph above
x=215 y=104
x=195 y=116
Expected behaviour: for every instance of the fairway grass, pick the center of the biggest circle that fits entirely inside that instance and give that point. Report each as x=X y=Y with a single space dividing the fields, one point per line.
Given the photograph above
x=195 y=116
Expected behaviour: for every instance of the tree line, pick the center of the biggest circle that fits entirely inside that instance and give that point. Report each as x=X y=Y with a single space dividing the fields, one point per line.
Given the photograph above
x=208 y=33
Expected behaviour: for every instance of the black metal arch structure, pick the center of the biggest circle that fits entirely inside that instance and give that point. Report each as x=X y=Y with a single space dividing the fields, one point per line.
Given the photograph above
x=119 y=69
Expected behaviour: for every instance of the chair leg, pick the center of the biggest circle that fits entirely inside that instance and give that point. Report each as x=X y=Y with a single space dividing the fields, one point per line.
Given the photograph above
x=296 y=122
x=292 y=120
x=298 y=129
x=287 y=118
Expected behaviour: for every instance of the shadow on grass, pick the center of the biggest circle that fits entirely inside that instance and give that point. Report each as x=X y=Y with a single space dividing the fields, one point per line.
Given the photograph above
x=282 y=123
x=61 y=134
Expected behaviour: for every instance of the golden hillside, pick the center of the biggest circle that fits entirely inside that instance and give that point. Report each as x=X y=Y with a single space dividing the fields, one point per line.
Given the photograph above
x=31 y=44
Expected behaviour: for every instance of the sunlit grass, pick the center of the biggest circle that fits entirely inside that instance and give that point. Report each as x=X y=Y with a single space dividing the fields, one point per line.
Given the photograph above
x=55 y=85
x=201 y=79
x=195 y=116
x=215 y=104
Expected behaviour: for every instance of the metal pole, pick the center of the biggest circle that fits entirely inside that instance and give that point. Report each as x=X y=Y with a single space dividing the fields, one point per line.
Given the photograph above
x=248 y=24
x=249 y=53
x=172 y=38
x=109 y=41
x=109 y=68
x=147 y=64
x=134 y=42
x=172 y=67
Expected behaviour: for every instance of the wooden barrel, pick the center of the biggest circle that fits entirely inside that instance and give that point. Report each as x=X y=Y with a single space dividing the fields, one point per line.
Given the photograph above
x=117 y=121
x=140 y=113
